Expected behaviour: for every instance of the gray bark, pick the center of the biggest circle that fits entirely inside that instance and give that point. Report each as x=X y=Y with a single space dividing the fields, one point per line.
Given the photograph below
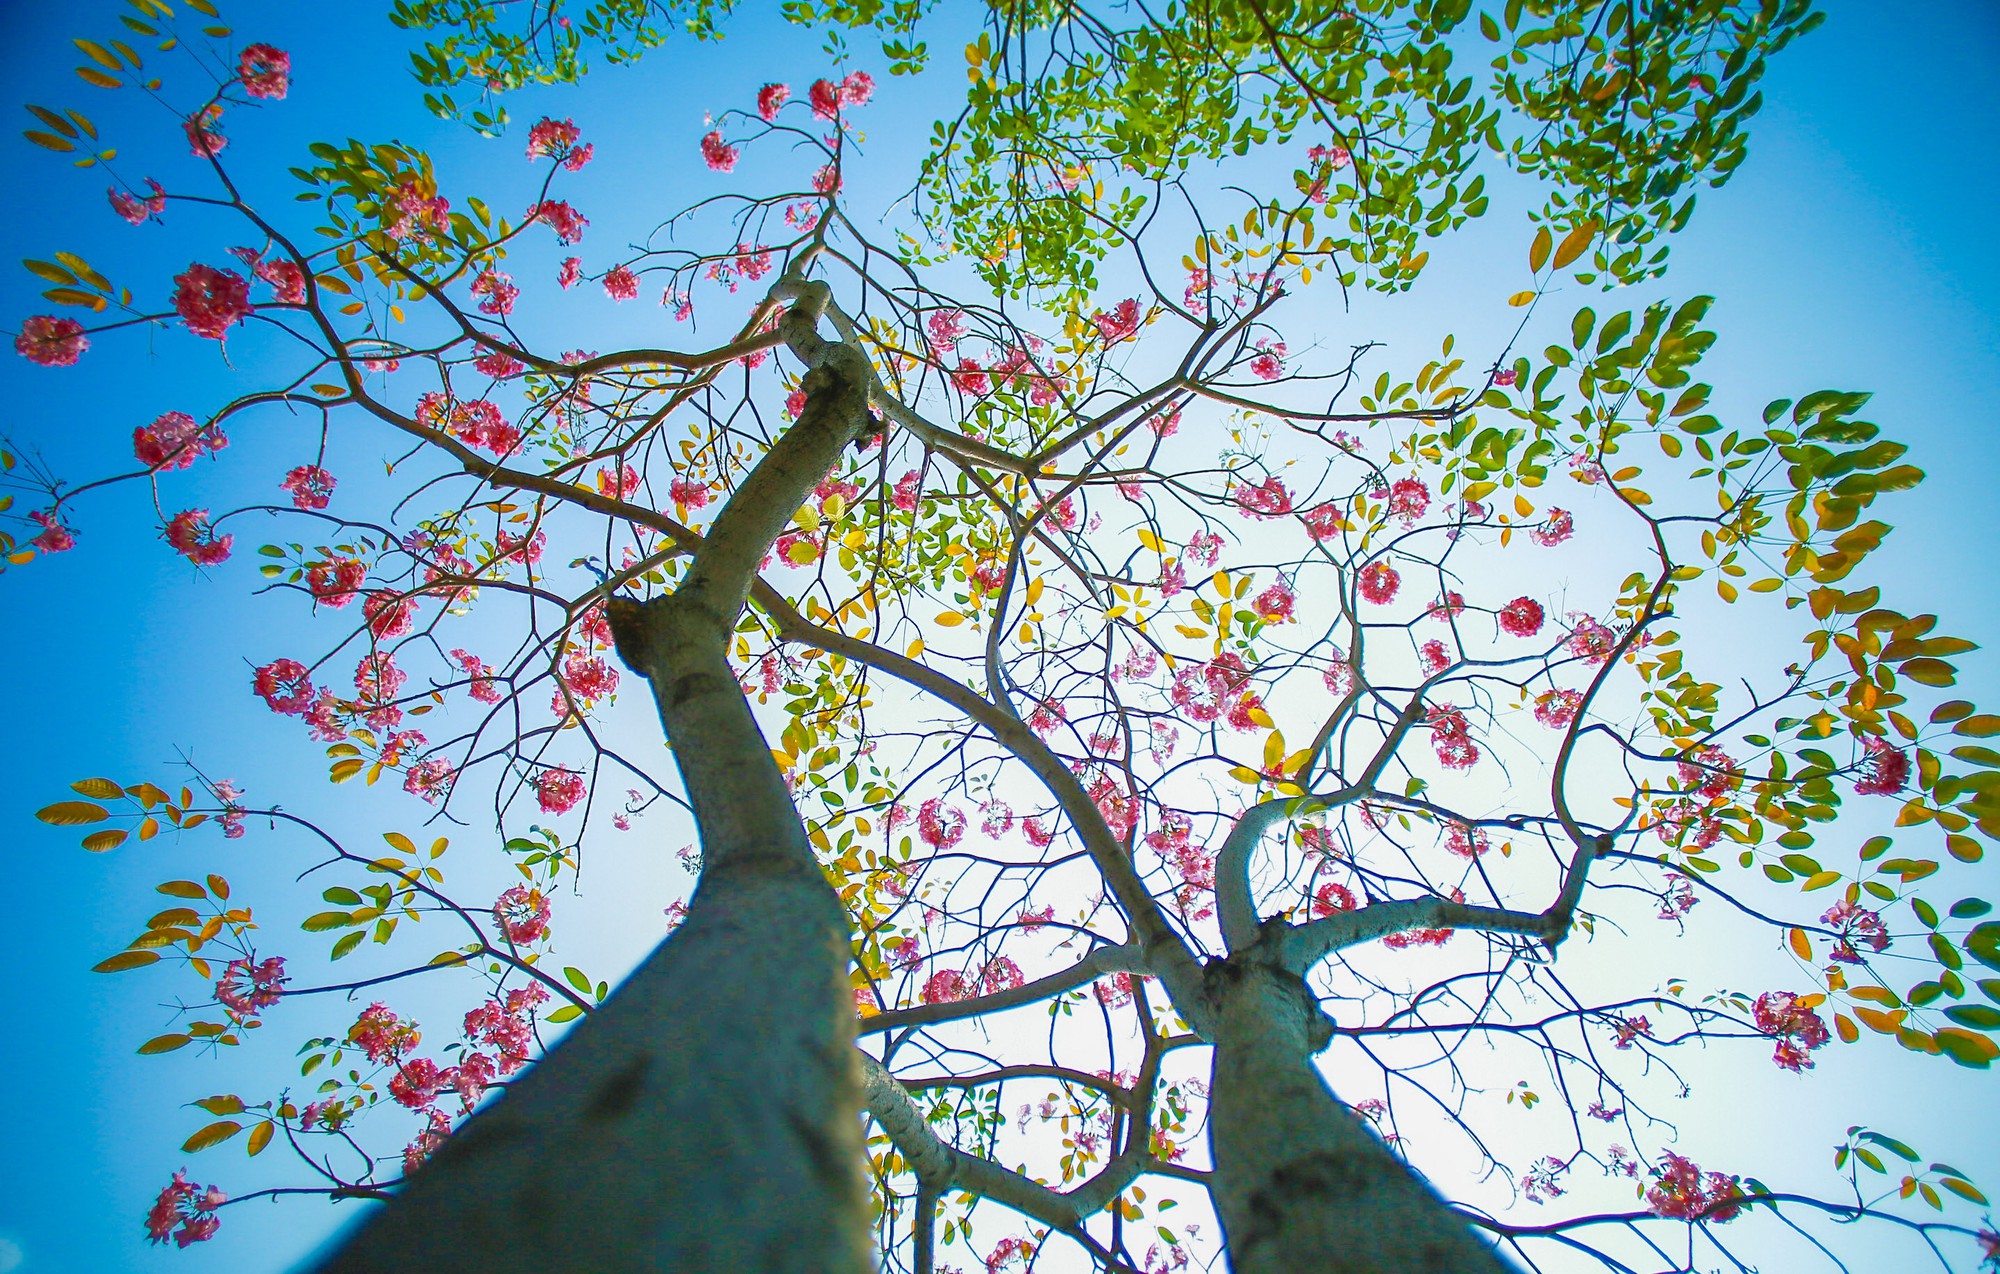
x=707 y=1117
x=1300 y=1183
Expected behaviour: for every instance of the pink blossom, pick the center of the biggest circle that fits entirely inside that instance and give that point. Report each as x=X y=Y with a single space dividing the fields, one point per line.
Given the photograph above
x=1269 y=500
x=1274 y=604
x=1203 y=548
x=1000 y=974
x=1679 y=1191
x=1270 y=363
x=558 y=140
x=557 y=789
x=1855 y=921
x=1780 y=1014
x=522 y=913
x=620 y=284
x=499 y=365
x=857 y=88
x=430 y=778
x=54 y=536
x=688 y=493
x=381 y=1035
x=1884 y=769
x=1451 y=738
x=1331 y=898
x=135 y=209
x=1322 y=521
x=284 y=685
x=187 y=1206
x=567 y=222
x=1120 y=324
x=1434 y=657
x=946 y=985
x=1378 y=583
x=1589 y=640
x=496 y=293
x=1505 y=377
x=970 y=378
x=718 y=154
x=264 y=71
x=192 y=536
x=1409 y=499
x=266 y=984
x=310 y=485
x=1521 y=617
x=203 y=130
x=1556 y=527
x=1039 y=834
x=947 y=328
x=824 y=97
x=389 y=614
x=51 y=341
x=826 y=180
x=211 y=301
x=173 y=441
x=939 y=826
x=770 y=98
x=1557 y=708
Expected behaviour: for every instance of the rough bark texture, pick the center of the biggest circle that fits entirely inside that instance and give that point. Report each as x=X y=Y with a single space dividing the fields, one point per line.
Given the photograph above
x=1300 y=1183
x=707 y=1117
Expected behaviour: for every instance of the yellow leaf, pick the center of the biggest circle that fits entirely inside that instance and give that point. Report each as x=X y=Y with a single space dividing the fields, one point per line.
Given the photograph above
x=260 y=1137
x=109 y=838
x=1243 y=774
x=1034 y=590
x=1520 y=298
x=1801 y=945
x=72 y=813
x=399 y=841
x=1193 y=634
x=916 y=648
x=1574 y=243
x=1538 y=251
x=950 y=619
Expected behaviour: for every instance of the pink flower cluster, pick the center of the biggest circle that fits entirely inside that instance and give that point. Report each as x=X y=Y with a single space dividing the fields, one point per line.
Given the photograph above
x=1798 y=1029
x=264 y=71
x=557 y=789
x=1884 y=769
x=137 y=210
x=1853 y=921
x=174 y=440
x=310 y=485
x=184 y=1212
x=51 y=341
x=1269 y=500
x=266 y=984
x=194 y=538
x=211 y=301
x=557 y=140
x=1451 y=737
x=1680 y=1191
x=522 y=913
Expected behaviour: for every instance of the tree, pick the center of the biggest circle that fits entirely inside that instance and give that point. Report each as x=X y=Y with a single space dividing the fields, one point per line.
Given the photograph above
x=1006 y=455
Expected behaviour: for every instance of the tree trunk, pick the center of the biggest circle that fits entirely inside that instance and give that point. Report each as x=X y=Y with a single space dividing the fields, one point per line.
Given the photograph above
x=707 y=1117
x=1300 y=1183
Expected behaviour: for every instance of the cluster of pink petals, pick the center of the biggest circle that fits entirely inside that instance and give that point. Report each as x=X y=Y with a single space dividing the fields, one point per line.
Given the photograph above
x=1270 y=499
x=557 y=789
x=557 y=140
x=567 y=222
x=174 y=440
x=137 y=210
x=192 y=536
x=1556 y=527
x=310 y=485
x=1452 y=738
x=1409 y=499
x=1521 y=617
x=211 y=301
x=203 y=130
x=1798 y=1029
x=51 y=341
x=1680 y=1191
x=184 y=1212
x=264 y=71
x=497 y=293
x=620 y=284
x=938 y=825
x=1378 y=582
x=522 y=913
x=1557 y=708
x=266 y=984
x=1885 y=769
x=1853 y=920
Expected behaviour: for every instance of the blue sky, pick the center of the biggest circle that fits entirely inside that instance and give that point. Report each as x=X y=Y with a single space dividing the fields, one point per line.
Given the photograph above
x=1852 y=251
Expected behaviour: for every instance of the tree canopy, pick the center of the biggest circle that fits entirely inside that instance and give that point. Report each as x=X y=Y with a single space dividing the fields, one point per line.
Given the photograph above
x=1169 y=771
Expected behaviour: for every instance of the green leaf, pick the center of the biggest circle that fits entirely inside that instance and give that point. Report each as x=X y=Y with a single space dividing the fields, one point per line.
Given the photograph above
x=347 y=944
x=320 y=922
x=1978 y=1016
x=574 y=976
x=164 y=1043
x=567 y=1012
